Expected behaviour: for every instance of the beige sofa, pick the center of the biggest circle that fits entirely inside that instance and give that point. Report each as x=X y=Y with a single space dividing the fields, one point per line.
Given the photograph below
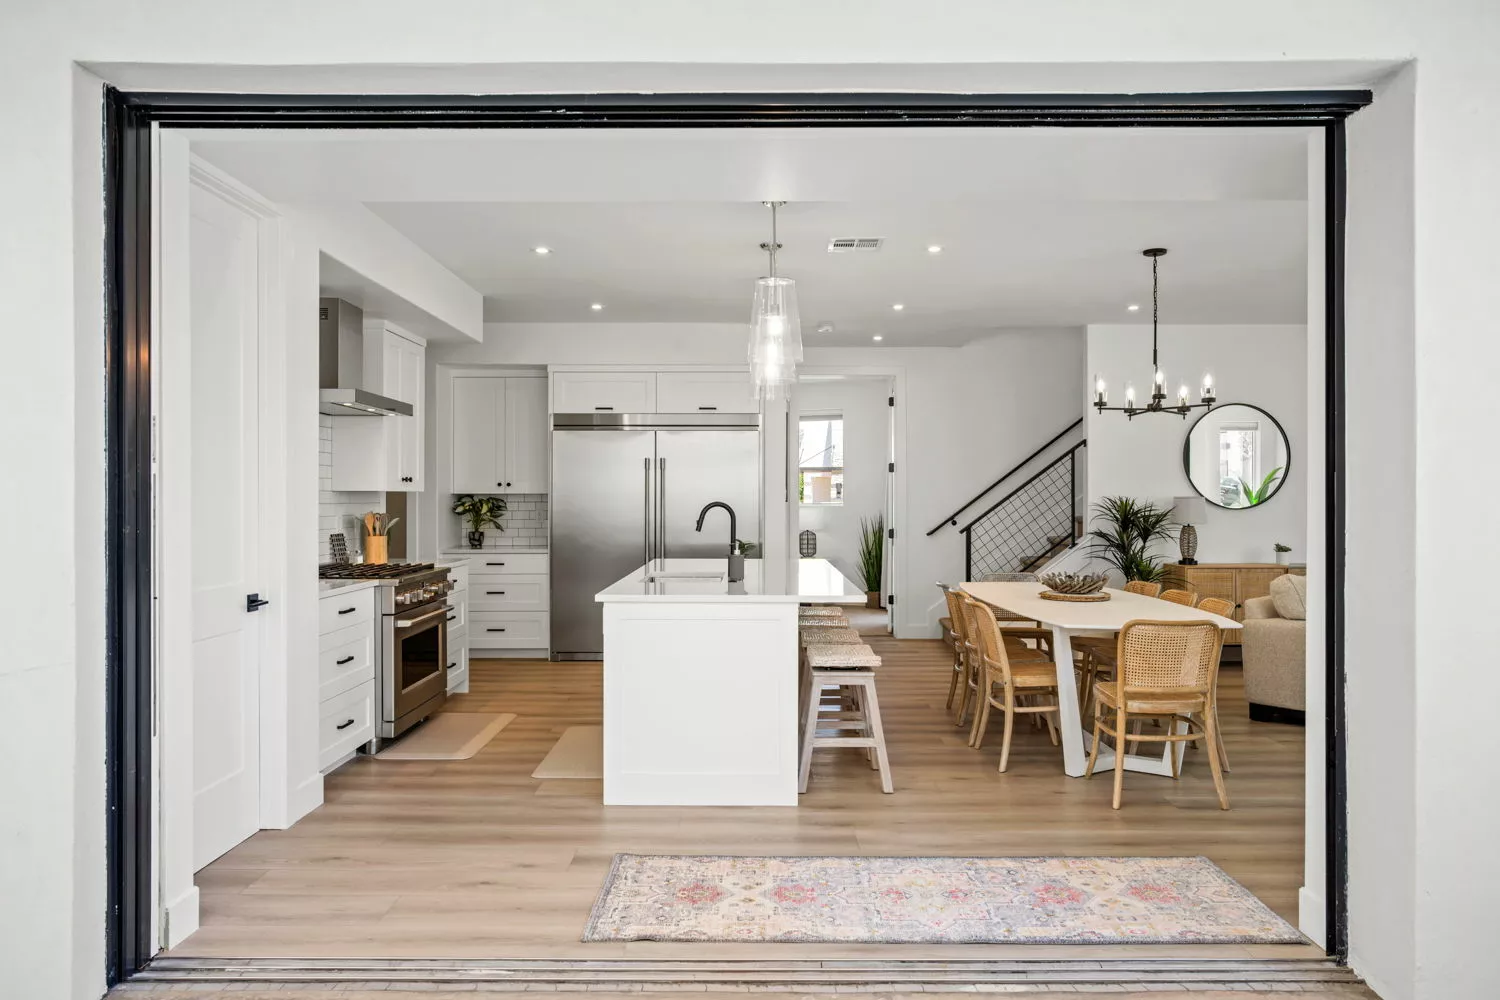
x=1275 y=652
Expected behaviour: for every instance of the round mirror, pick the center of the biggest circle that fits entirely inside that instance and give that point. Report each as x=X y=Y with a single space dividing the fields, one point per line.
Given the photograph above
x=1236 y=456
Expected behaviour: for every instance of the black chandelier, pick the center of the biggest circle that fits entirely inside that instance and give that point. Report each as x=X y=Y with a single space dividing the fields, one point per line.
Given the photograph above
x=1158 y=402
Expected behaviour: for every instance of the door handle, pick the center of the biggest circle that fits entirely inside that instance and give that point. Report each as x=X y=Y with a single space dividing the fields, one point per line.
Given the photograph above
x=409 y=622
x=662 y=507
x=646 y=514
x=253 y=602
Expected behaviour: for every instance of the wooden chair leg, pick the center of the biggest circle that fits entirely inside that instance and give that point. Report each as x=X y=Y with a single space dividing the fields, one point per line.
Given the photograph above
x=1051 y=726
x=953 y=683
x=1010 y=721
x=1211 y=725
x=981 y=721
x=809 y=730
x=1088 y=772
x=877 y=732
x=1119 y=756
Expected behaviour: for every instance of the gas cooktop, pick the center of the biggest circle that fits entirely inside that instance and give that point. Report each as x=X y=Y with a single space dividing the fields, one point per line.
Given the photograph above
x=370 y=571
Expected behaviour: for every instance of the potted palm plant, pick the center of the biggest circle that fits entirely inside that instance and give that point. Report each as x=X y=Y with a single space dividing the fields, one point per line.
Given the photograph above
x=480 y=513
x=872 y=557
x=1125 y=532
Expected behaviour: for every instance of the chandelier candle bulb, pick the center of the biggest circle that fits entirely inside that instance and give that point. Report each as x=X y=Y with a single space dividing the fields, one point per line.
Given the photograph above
x=1129 y=394
x=1100 y=396
x=1182 y=395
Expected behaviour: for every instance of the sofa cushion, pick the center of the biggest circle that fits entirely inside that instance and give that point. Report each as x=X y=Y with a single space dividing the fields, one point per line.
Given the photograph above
x=1289 y=594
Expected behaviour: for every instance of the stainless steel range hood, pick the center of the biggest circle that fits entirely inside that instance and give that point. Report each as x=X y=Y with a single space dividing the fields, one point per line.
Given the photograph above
x=341 y=365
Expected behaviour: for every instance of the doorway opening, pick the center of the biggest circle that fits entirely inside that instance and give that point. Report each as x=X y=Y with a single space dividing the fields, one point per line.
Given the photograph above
x=830 y=478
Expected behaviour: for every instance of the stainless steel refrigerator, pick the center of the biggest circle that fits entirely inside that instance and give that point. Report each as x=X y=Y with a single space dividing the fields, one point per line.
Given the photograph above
x=626 y=489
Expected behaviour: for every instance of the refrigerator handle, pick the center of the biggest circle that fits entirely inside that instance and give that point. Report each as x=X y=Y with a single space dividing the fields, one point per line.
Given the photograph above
x=647 y=519
x=661 y=507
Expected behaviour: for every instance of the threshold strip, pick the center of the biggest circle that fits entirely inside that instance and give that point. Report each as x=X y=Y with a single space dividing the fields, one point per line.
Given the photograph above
x=769 y=975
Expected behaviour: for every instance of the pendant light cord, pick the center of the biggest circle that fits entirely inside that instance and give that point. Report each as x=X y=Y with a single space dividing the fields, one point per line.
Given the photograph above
x=772 y=247
x=1155 y=309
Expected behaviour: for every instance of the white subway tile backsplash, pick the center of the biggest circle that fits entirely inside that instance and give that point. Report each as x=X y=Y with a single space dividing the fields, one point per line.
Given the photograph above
x=339 y=511
x=525 y=523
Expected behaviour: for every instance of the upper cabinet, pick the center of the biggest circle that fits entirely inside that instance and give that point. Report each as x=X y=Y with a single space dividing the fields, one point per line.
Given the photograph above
x=653 y=392
x=705 y=392
x=604 y=392
x=385 y=453
x=499 y=434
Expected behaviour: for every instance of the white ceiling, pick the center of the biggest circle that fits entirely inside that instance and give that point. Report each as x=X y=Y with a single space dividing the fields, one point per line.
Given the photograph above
x=1039 y=227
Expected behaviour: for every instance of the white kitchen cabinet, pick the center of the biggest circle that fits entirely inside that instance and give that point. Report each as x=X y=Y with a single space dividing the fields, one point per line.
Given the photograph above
x=526 y=435
x=385 y=453
x=346 y=673
x=705 y=392
x=499 y=435
x=604 y=392
x=506 y=597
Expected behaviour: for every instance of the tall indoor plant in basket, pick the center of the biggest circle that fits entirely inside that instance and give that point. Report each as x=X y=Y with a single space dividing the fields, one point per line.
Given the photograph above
x=1124 y=533
x=872 y=557
x=480 y=513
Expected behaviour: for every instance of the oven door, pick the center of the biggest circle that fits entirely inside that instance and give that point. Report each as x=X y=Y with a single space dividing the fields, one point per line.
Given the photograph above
x=415 y=681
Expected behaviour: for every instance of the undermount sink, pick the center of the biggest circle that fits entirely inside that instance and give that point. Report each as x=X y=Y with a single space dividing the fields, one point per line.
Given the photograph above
x=661 y=577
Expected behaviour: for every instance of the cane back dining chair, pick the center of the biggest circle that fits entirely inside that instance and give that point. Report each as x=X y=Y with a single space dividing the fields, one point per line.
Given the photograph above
x=964 y=682
x=1014 y=686
x=1184 y=597
x=1165 y=669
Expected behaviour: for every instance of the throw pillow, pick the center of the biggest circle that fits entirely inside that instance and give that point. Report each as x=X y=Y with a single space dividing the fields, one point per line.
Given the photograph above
x=1289 y=594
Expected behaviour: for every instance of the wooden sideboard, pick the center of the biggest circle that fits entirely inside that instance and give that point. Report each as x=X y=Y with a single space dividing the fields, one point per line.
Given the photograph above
x=1234 y=582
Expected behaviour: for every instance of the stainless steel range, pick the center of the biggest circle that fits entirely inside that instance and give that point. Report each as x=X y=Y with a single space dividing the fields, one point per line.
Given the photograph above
x=411 y=671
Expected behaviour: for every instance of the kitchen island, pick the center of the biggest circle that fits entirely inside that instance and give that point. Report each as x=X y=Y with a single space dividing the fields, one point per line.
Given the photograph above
x=700 y=682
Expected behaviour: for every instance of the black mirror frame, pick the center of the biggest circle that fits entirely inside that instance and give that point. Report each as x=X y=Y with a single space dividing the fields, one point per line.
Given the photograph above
x=1187 y=470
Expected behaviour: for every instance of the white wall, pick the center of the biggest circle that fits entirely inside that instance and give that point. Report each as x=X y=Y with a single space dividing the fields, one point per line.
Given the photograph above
x=867 y=453
x=1438 y=158
x=1264 y=366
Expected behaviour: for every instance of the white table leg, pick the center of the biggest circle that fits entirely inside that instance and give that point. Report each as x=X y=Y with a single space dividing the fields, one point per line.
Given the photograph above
x=1069 y=725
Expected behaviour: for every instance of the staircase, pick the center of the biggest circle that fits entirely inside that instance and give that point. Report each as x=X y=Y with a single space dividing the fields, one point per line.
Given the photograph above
x=1032 y=523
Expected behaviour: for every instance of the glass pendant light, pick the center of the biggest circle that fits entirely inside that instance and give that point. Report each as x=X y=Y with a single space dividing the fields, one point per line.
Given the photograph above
x=775 y=326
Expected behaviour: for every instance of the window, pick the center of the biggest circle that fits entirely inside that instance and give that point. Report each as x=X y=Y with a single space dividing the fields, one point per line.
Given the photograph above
x=820 y=459
x=1239 y=459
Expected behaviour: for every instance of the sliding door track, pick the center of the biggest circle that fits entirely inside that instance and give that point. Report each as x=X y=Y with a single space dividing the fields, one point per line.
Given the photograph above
x=639 y=975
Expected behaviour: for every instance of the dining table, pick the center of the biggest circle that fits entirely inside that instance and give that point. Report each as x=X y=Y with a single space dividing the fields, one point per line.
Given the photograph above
x=1067 y=619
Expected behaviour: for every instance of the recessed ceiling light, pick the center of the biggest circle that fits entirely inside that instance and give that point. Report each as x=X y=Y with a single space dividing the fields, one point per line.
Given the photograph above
x=1133 y=307
x=934 y=249
x=825 y=327
x=898 y=307
x=597 y=306
x=877 y=337
x=541 y=251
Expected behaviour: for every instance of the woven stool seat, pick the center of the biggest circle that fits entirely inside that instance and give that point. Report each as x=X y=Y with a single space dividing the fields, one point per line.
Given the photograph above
x=812 y=635
x=842 y=656
x=820 y=611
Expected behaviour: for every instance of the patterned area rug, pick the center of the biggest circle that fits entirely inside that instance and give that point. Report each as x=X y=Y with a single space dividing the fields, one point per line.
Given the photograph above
x=930 y=901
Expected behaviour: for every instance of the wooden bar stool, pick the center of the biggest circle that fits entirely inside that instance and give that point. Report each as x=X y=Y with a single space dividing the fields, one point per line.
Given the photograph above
x=853 y=721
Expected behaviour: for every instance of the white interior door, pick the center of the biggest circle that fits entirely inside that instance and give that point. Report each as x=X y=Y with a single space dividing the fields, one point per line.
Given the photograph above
x=225 y=322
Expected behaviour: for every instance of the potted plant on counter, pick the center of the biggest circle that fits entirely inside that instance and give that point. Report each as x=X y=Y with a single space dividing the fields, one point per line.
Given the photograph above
x=480 y=513
x=872 y=557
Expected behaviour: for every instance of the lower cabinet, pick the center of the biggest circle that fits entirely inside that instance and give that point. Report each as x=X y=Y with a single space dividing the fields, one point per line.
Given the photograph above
x=458 y=664
x=509 y=630
x=346 y=675
x=346 y=722
x=505 y=605
x=1234 y=582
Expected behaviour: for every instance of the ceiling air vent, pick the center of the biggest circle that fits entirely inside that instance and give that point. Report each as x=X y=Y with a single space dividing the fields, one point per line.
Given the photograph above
x=855 y=244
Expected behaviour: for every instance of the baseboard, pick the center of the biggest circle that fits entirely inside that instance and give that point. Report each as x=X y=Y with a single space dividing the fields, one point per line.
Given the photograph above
x=182 y=917
x=304 y=798
x=1275 y=713
x=1312 y=915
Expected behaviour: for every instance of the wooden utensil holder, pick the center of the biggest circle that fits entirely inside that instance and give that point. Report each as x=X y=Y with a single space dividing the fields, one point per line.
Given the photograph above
x=375 y=549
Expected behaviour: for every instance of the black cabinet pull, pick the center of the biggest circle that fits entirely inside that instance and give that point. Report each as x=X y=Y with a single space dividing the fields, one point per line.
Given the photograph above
x=708 y=407
x=494 y=564
x=348 y=611
x=347 y=659
x=604 y=407
x=500 y=592
x=452 y=665
x=494 y=630
x=345 y=725
x=452 y=617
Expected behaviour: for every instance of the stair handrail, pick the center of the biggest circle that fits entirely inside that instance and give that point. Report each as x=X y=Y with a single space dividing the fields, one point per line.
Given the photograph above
x=1040 y=473
x=953 y=517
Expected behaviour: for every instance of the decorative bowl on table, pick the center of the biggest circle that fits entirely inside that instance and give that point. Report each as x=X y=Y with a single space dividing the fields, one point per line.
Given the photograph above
x=1074 y=586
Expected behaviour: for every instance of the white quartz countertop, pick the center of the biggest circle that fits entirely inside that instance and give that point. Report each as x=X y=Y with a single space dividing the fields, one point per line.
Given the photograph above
x=494 y=552
x=326 y=587
x=695 y=581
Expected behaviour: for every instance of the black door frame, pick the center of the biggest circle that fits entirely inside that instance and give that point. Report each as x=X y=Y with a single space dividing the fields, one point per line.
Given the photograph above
x=128 y=181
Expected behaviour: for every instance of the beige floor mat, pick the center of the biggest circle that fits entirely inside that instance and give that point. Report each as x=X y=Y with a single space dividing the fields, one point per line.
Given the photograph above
x=448 y=736
x=579 y=753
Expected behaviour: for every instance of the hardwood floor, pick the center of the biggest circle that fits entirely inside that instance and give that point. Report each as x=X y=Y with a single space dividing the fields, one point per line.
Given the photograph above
x=467 y=859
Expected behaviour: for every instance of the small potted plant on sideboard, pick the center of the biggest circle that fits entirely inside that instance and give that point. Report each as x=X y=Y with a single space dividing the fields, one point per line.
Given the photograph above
x=1282 y=553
